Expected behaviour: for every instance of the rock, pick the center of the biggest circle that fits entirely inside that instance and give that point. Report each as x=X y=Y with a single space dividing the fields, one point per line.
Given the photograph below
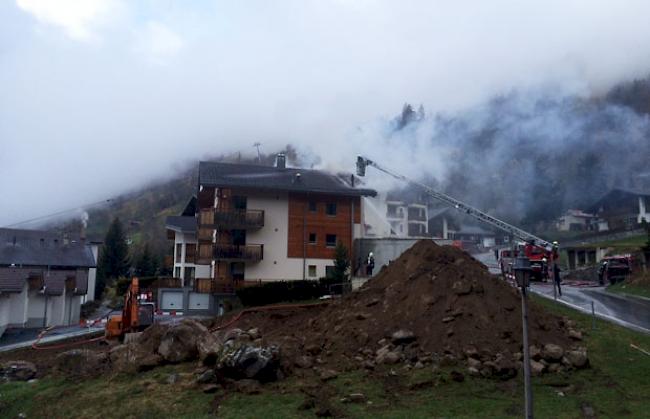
x=389 y=358
x=232 y=334
x=132 y=358
x=552 y=352
x=327 y=375
x=473 y=372
x=210 y=388
x=418 y=365
x=254 y=333
x=448 y=360
x=535 y=352
x=575 y=334
x=82 y=363
x=248 y=386
x=313 y=349
x=536 y=368
x=457 y=376
x=505 y=369
x=172 y=378
x=207 y=377
x=471 y=352
x=149 y=340
x=305 y=362
x=448 y=319
x=403 y=336
x=554 y=368
x=357 y=398
x=179 y=343
x=578 y=358
x=461 y=287
x=474 y=363
x=245 y=361
x=17 y=371
x=369 y=365
x=208 y=348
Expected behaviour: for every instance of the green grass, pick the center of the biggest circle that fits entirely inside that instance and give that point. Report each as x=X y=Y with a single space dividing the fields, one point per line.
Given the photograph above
x=641 y=289
x=617 y=385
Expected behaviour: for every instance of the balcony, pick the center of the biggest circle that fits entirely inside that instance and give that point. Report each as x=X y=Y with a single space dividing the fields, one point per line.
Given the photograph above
x=204 y=256
x=248 y=253
x=234 y=219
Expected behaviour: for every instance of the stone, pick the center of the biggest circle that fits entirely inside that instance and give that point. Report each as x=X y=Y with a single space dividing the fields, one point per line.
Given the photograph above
x=448 y=319
x=327 y=375
x=418 y=365
x=254 y=333
x=247 y=386
x=232 y=334
x=575 y=334
x=304 y=362
x=245 y=361
x=471 y=352
x=552 y=352
x=536 y=368
x=578 y=358
x=17 y=371
x=210 y=388
x=357 y=398
x=82 y=363
x=448 y=360
x=312 y=349
x=535 y=352
x=402 y=336
x=208 y=348
x=461 y=287
x=133 y=357
x=473 y=372
x=369 y=365
x=179 y=343
x=474 y=363
x=172 y=378
x=207 y=377
x=389 y=358
x=554 y=368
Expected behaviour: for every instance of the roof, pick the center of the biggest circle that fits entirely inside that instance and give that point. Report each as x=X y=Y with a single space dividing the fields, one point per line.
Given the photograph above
x=181 y=223
x=42 y=248
x=272 y=178
x=617 y=194
x=13 y=279
x=190 y=207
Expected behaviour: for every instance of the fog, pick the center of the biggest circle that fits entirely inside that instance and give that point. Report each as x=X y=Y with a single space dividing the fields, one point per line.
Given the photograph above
x=98 y=97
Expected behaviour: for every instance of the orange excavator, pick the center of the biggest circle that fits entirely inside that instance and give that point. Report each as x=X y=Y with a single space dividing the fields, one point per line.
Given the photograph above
x=135 y=316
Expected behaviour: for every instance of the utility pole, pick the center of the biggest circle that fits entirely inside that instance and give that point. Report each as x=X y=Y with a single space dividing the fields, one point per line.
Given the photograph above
x=522 y=275
x=257 y=146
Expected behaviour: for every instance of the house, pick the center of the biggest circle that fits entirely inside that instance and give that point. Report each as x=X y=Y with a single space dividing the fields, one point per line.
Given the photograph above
x=623 y=209
x=261 y=223
x=44 y=278
x=577 y=220
x=407 y=216
x=442 y=222
x=471 y=234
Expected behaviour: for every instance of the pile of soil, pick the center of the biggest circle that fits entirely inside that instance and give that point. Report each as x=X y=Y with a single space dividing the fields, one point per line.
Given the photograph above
x=443 y=299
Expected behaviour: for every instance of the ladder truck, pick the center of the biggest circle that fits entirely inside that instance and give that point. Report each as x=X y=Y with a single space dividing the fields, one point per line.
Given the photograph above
x=539 y=251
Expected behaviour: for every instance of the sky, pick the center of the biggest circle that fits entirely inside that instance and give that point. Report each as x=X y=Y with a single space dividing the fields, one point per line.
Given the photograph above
x=98 y=97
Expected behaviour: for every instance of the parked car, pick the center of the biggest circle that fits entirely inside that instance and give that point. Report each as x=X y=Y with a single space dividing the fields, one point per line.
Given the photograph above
x=614 y=269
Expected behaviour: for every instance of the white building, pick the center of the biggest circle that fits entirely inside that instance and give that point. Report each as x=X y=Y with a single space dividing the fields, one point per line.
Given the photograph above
x=44 y=278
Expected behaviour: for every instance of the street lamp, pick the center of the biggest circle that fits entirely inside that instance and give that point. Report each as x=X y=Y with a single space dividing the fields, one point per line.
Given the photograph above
x=522 y=276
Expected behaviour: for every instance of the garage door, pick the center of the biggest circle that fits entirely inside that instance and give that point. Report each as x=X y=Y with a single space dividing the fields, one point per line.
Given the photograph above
x=172 y=300
x=199 y=301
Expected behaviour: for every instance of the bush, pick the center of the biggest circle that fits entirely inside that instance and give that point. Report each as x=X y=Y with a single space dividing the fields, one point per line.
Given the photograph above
x=276 y=292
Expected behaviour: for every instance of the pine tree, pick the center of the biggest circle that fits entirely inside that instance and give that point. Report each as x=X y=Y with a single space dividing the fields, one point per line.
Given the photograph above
x=341 y=263
x=146 y=263
x=113 y=258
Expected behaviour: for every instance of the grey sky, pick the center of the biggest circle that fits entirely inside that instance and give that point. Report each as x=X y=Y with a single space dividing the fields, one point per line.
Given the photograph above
x=101 y=96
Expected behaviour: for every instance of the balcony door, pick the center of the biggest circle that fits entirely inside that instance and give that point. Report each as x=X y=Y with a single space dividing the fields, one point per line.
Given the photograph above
x=239 y=203
x=239 y=237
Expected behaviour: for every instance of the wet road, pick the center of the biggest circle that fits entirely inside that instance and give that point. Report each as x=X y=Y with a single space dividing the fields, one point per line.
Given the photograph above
x=630 y=312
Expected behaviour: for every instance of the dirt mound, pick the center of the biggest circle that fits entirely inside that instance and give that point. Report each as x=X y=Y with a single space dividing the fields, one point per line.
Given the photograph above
x=434 y=301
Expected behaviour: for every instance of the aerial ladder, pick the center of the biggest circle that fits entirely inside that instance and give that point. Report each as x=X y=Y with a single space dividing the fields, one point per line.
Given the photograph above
x=531 y=239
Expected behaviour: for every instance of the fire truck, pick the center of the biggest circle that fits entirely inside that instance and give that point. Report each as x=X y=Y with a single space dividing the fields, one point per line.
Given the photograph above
x=539 y=258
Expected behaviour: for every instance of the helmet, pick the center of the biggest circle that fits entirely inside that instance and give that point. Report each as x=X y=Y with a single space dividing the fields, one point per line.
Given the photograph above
x=555 y=243
x=370 y=254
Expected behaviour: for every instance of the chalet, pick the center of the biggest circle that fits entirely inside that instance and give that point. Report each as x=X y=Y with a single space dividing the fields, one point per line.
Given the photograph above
x=44 y=278
x=623 y=209
x=577 y=220
x=261 y=223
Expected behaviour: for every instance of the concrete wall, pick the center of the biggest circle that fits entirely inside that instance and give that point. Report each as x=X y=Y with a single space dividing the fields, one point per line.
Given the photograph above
x=92 y=276
x=4 y=312
x=18 y=307
x=385 y=250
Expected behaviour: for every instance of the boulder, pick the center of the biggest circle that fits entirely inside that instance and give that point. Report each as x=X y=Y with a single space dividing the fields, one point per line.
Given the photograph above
x=475 y=363
x=133 y=358
x=535 y=352
x=552 y=352
x=254 y=333
x=577 y=358
x=536 y=368
x=403 y=336
x=306 y=362
x=179 y=343
x=575 y=334
x=207 y=377
x=149 y=339
x=17 y=371
x=389 y=358
x=232 y=334
x=245 y=361
x=461 y=287
x=473 y=372
x=327 y=375
x=81 y=363
x=208 y=348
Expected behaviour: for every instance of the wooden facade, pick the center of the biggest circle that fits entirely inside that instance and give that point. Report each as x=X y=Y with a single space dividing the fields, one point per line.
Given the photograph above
x=308 y=216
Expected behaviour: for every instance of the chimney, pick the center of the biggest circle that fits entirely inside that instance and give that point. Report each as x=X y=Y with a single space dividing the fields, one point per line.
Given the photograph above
x=281 y=161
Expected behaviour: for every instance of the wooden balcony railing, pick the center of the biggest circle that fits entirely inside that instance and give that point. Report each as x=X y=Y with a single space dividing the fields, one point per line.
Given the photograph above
x=205 y=253
x=205 y=233
x=231 y=219
x=249 y=252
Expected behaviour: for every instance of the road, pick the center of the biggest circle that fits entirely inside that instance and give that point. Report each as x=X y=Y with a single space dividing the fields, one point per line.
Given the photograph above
x=630 y=312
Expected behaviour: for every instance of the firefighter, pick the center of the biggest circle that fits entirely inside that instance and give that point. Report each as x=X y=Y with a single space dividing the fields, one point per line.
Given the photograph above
x=556 y=277
x=370 y=264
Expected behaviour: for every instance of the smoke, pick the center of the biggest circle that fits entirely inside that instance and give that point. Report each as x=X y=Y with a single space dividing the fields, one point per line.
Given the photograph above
x=526 y=156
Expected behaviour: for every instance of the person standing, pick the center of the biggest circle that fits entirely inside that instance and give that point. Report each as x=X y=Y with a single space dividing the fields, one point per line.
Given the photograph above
x=370 y=264
x=556 y=277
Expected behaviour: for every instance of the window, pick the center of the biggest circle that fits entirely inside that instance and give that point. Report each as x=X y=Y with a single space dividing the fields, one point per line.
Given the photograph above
x=239 y=203
x=329 y=271
x=313 y=207
x=238 y=237
x=330 y=209
x=177 y=272
x=188 y=278
x=330 y=240
x=312 y=271
x=312 y=238
x=179 y=252
x=190 y=253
